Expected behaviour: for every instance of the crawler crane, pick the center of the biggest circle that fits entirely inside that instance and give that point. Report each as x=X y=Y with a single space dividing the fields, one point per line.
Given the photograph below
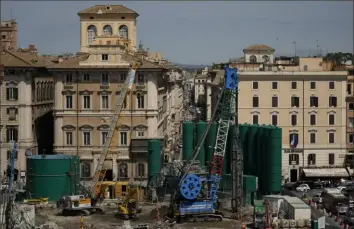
x=86 y=204
x=196 y=197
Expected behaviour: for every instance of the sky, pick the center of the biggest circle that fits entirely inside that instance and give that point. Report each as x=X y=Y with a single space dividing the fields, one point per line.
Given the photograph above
x=200 y=32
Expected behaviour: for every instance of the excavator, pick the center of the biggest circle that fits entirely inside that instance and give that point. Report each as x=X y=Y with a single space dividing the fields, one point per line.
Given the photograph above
x=128 y=208
x=85 y=204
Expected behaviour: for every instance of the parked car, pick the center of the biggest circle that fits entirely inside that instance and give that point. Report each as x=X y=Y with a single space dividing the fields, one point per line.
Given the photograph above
x=342 y=189
x=303 y=188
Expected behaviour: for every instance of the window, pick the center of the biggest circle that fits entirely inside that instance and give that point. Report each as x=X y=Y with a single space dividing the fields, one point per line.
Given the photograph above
x=349 y=88
x=104 y=57
x=140 y=134
x=107 y=30
x=11 y=134
x=331 y=138
x=87 y=138
x=312 y=138
x=104 y=79
x=274 y=120
x=123 y=31
x=104 y=135
x=293 y=85
x=12 y=93
x=351 y=106
x=312 y=85
x=331 y=158
x=141 y=79
x=351 y=122
x=313 y=101
x=91 y=34
x=254 y=85
x=9 y=155
x=123 y=138
x=331 y=85
x=293 y=139
x=104 y=102
x=87 y=102
x=255 y=119
x=312 y=119
x=294 y=159
x=140 y=101
x=331 y=119
x=255 y=101
x=253 y=59
x=351 y=138
x=85 y=169
x=123 y=77
x=86 y=77
x=123 y=170
x=332 y=101
x=295 y=101
x=69 y=138
x=69 y=78
x=293 y=119
x=274 y=85
x=69 y=102
x=274 y=101
x=311 y=159
x=140 y=170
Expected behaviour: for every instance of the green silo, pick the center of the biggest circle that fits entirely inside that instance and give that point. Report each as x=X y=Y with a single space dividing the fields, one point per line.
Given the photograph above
x=244 y=144
x=188 y=140
x=274 y=159
x=200 y=129
x=251 y=154
x=53 y=176
x=210 y=142
x=260 y=151
x=154 y=158
x=265 y=142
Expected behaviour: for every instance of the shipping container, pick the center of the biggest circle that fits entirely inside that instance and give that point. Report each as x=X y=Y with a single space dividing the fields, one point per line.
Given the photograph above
x=298 y=211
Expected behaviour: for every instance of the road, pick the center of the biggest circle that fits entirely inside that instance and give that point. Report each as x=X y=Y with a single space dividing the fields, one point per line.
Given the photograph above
x=330 y=223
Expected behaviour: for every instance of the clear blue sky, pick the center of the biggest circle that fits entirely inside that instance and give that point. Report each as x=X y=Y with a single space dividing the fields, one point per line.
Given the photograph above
x=196 y=32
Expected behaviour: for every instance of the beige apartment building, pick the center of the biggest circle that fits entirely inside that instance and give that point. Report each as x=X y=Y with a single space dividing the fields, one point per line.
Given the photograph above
x=87 y=88
x=349 y=161
x=8 y=38
x=26 y=101
x=306 y=100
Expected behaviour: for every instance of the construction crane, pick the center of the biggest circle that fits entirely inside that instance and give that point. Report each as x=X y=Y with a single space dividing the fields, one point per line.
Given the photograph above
x=86 y=205
x=196 y=196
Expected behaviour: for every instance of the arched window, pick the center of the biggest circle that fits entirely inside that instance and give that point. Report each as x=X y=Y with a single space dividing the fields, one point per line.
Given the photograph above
x=140 y=167
x=265 y=58
x=123 y=170
x=91 y=33
x=107 y=30
x=123 y=31
x=253 y=59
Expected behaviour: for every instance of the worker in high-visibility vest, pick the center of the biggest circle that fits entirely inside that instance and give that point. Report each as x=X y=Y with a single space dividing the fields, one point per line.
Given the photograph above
x=81 y=222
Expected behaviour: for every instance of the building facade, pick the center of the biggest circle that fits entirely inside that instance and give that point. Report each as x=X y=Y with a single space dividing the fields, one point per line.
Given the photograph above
x=306 y=100
x=26 y=101
x=87 y=88
x=350 y=118
x=8 y=31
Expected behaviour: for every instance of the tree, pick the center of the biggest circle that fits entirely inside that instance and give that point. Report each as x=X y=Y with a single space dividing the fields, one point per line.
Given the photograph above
x=339 y=58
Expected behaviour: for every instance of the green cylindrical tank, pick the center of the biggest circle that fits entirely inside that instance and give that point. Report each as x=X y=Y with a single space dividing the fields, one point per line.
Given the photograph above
x=264 y=173
x=53 y=176
x=244 y=144
x=210 y=142
x=188 y=140
x=154 y=158
x=200 y=129
x=274 y=159
x=251 y=142
x=260 y=152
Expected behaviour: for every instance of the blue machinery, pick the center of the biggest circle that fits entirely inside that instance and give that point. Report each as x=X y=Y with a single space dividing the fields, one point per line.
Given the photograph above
x=197 y=196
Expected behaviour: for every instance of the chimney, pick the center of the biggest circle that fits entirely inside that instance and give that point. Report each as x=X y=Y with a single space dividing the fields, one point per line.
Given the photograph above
x=32 y=48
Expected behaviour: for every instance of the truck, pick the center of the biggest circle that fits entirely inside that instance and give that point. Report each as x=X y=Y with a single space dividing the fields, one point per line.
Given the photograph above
x=259 y=214
x=335 y=203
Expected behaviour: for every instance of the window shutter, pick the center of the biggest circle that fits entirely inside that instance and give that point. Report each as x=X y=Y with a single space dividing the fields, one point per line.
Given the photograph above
x=16 y=93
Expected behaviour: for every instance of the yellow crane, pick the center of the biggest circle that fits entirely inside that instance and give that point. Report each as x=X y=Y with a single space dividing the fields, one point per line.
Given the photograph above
x=83 y=204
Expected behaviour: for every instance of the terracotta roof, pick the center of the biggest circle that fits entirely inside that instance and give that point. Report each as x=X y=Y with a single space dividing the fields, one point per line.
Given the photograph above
x=110 y=9
x=74 y=63
x=258 y=47
x=24 y=59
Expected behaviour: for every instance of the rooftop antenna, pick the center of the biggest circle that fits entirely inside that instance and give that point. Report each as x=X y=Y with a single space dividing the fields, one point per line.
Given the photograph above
x=294 y=43
x=11 y=14
x=317 y=47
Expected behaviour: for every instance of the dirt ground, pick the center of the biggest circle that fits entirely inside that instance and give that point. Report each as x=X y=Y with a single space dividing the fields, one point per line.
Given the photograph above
x=107 y=221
